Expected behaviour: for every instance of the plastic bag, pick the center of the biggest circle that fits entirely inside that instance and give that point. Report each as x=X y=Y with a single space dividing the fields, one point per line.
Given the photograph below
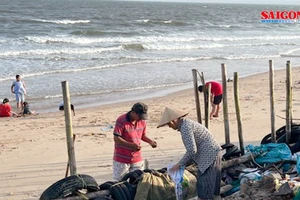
x=270 y=153
x=177 y=178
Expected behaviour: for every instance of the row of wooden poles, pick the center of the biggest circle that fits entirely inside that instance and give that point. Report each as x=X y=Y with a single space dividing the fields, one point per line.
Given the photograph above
x=68 y=115
x=207 y=93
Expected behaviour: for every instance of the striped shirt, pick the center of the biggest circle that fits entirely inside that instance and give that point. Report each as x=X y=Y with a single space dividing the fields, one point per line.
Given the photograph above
x=132 y=133
x=201 y=146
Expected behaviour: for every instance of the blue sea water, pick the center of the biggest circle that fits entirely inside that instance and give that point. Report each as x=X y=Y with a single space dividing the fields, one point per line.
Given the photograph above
x=112 y=51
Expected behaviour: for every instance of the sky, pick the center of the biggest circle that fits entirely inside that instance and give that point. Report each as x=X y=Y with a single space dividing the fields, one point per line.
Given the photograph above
x=283 y=2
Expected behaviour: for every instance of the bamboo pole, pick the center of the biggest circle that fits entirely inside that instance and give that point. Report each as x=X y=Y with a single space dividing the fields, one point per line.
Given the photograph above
x=238 y=111
x=68 y=165
x=207 y=105
x=205 y=99
x=194 y=71
x=235 y=161
x=288 y=101
x=69 y=129
x=225 y=105
x=272 y=100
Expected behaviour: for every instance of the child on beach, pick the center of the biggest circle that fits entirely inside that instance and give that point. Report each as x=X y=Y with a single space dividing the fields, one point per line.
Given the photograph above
x=26 y=110
x=19 y=89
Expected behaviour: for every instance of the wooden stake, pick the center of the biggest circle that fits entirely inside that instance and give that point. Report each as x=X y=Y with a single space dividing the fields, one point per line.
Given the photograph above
x=195 y=80
x=288 y=101
x=207 y=105
x=225 y=105
x=69 y=129
x=238 y=111
x=68 y=165
x=272 y=100
x=239 y=160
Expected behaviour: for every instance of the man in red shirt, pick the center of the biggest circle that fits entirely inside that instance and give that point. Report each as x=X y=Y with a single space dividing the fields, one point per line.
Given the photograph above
x=216 y=96
x=130 y=130
x=5 y=109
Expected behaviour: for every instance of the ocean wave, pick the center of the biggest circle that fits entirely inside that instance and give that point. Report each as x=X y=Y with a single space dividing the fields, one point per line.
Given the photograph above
x=65 y=21
x=58 y=71
x=89 y=33
x=162 y=47
x=148 y=61
x=136 y=47
x=289 y=53
x=151 y=39
x=100 y=33
x=161 y=22
x=267 y=38
x=149 y=87
x=59 y=51
x=247 y=57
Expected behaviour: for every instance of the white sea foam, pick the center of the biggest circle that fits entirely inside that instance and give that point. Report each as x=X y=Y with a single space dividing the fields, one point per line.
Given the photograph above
x=107 y=66
x=152 y=39
x=142 y=20
x=290 y=51
x=59 y=51
x=65 y=21
x=246 y=57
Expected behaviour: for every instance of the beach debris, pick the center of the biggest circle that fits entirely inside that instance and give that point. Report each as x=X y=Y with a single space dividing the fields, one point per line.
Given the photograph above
x=106 y=128
x=69 y=186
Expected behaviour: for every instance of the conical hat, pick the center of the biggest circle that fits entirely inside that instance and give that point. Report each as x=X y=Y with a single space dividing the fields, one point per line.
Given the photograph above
x=169 y=115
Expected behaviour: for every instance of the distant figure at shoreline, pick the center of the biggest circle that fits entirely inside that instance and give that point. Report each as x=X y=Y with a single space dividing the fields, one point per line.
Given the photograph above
x=19 y=89
x=5 y=109
x=61 y=107
x=216 y=96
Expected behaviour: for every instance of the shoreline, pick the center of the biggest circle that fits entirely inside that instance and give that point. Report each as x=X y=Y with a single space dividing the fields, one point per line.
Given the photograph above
x=95 y=100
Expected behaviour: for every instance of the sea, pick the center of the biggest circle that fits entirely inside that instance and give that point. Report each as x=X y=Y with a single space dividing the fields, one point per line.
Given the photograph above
x=114 y=51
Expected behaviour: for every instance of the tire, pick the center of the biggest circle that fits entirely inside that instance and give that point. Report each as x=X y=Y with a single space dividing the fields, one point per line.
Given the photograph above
x=132 y=176
x=148 y=170
x=139 y=172
x=102 y=198
x=107 y=185
x=230 y=152
x=69 y=185
x=267 y=139
x=126 y=191
x=131 y=188
x=117 y=192
x=162 y=170
x=227 y=146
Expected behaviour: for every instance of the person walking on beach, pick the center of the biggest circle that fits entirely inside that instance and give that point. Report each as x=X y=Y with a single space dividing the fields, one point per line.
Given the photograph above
x=216 y=96
x=5 y=109
x=201 y=147
x=19 y=89
x=129 y=131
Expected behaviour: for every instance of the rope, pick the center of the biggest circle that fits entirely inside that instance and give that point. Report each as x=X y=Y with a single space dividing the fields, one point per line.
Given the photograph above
x=285 y=118
x=254 y=159
x=84 y=185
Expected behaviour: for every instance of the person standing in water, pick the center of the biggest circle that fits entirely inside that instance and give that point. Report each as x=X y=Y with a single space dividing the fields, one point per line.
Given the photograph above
x=19 y=89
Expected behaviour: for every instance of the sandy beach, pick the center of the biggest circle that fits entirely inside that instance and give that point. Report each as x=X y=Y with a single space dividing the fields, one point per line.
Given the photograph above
x=33 y=150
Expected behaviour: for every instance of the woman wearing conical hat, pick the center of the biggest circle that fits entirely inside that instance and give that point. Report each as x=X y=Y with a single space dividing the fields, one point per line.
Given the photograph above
x=201 y=147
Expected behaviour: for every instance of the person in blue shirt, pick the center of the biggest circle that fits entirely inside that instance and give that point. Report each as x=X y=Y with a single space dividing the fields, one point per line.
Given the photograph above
x=19 y=89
